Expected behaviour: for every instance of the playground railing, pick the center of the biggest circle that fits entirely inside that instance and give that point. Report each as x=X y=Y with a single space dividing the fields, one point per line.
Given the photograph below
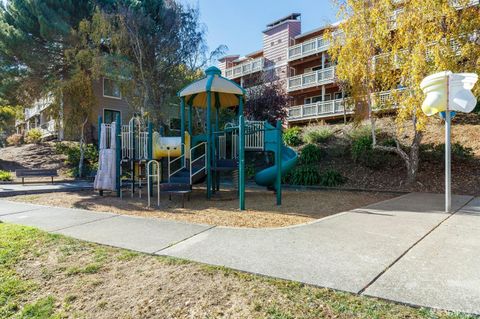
x=181 y=159
x=254 y=135
x=193 y=161
x=222 y=147
x=127 y=143
x=142 y=149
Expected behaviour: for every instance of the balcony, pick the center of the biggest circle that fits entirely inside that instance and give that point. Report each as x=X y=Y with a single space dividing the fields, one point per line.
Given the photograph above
x=336 y=107
x=311 y=79
x=307 y=48
x=245 y=68
x=47 y=129
x=317 y=110
x=38 y=107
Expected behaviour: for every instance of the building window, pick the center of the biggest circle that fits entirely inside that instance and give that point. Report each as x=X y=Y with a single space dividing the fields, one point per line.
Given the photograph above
x=338 y=95
x=313 y=99
x=272 y=44
x=111 y=89
x=110 y=116
x=279 y=41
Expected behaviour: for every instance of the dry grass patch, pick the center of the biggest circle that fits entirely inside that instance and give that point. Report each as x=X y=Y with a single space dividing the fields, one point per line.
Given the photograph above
x=297 y=206
x=50 y=276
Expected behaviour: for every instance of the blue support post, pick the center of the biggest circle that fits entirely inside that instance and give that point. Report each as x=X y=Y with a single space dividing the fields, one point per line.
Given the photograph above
x=118 y=128
x=241 y=164
x=278 y=163
x=209 y=144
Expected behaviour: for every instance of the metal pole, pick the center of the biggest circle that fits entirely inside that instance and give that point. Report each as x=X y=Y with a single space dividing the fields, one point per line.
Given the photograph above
x=448 y=154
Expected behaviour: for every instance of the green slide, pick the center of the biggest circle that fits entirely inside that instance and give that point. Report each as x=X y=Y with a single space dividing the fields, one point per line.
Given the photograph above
x=267 y=176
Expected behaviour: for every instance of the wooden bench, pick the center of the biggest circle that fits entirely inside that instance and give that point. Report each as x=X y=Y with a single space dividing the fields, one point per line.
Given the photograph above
x=35 y=172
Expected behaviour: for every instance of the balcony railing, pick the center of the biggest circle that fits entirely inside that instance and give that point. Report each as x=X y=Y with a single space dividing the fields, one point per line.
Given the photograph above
x=308 y=48
x=38 y=107
x=311 y=79
x=336 y=107
x=245 y=68
x=318 y=110
x=48 y=128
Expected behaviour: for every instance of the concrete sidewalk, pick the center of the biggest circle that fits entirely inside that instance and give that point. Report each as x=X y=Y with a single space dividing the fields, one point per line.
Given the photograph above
x=404 y=249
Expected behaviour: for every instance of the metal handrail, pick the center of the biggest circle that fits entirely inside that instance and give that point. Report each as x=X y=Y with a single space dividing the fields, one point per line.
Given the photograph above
x=204 y=144
x=152 y=166
x=170 y=162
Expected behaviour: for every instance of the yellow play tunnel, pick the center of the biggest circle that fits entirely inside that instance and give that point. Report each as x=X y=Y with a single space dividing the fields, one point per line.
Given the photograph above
x=162 y=146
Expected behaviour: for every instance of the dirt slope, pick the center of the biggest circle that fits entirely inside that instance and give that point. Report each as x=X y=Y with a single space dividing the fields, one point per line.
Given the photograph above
x=31 y=156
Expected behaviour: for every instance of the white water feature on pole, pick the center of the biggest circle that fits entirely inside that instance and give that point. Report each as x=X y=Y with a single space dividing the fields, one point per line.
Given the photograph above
x=448 y=93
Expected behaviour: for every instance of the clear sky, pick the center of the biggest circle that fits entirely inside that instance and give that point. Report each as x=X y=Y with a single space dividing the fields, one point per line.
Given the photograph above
x=239 y=23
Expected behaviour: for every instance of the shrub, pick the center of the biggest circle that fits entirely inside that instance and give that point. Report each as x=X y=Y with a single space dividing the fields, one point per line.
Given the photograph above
x=33 y=136
x=250 y=171
x=363 y=153
x=310 y=154
x=5 y=176
x=15 y=139
x=291 y=136
x=331 y=178
x=72 y=152
x=434 y=152
x=305 y=175
x=317 y=134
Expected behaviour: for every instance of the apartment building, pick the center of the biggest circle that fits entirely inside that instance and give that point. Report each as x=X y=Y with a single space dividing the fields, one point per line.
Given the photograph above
x=302 y=64
x=42 y=114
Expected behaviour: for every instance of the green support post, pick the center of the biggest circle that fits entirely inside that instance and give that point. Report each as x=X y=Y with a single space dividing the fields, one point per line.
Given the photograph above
x=150 y=151
x=182 y=123
x=118 y=128
x=278 y=163
x=241 y=164
x=209 y=144
x=240 y=106
x=132 y=160
x=215 y=146
x=100 y=121
x=190 y=121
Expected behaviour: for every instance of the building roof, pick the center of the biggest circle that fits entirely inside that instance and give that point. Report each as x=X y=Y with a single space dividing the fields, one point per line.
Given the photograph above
x=319 y=29
x=232 y=56
x=292 y=16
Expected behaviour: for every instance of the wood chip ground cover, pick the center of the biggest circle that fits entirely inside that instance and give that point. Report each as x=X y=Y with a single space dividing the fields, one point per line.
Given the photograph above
x=297 y=207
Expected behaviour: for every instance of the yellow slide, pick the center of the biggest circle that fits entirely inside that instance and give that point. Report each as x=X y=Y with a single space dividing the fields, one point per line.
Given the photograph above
x=163 y=145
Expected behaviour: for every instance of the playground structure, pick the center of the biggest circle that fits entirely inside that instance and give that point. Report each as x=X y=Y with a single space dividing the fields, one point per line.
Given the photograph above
x=172 y=165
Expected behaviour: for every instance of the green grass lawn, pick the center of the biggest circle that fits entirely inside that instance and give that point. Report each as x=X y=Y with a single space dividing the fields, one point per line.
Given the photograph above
x=51 y=276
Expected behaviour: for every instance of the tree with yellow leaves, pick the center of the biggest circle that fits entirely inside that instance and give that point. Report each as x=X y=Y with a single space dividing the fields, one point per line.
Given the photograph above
x=391 y=46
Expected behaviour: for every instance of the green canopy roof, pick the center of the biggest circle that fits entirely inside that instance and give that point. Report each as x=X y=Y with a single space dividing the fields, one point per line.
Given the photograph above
x=225 y=92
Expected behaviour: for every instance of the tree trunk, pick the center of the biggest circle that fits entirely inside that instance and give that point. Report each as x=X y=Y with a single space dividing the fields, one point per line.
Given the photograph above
x=82 y=148
x=411 y=159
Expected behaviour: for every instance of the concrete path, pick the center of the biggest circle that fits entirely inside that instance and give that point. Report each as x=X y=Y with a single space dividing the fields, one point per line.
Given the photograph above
x=45 y=187
x=405 y=249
